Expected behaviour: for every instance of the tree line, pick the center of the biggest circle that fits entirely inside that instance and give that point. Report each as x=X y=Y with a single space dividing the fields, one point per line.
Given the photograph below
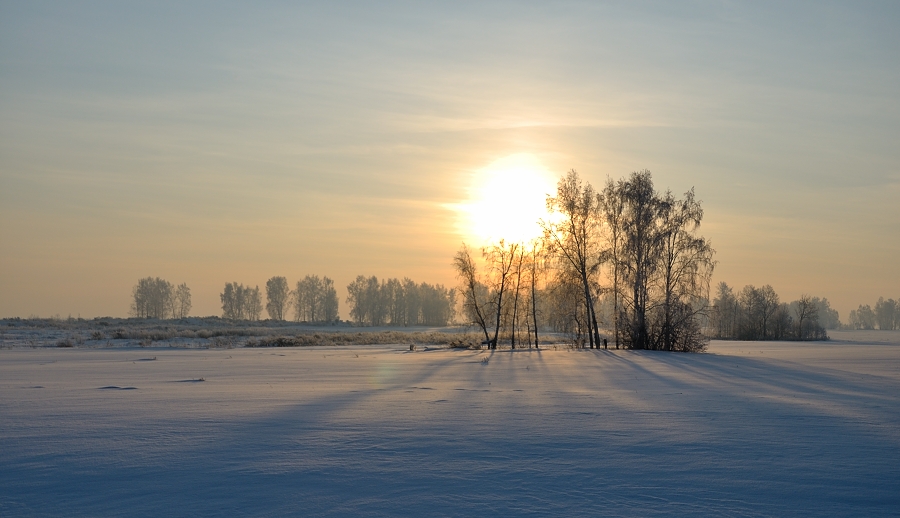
x=758 y=314
x=399 y=303
x=627 y=248
x=313 y=299
x=886 y=315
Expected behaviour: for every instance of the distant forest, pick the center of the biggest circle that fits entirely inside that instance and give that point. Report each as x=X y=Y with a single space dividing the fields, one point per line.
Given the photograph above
x=758 y=314
x=885 y=316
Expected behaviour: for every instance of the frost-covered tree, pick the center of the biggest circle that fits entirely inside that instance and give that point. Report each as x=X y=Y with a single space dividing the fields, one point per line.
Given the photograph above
x=152 y=298
x=277 y=297
x=862 y=317
x=474 y=292
x=807 y=316
x=686 y=265
x=232 y=301
x=181 y=305
x=660 y=266
x=315 y=300
x=726 y=313
x=886 y=313
x=828 y=317
x=253 y=304
x=241 y=302
x=574 y=236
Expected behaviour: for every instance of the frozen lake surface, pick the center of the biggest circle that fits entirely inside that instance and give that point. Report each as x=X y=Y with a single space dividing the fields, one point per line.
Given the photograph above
x=748 y=429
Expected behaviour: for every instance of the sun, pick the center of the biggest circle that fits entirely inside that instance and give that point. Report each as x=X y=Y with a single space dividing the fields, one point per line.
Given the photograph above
x=506 y=200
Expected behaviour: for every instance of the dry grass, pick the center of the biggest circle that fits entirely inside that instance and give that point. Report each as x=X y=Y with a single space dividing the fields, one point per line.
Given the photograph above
x=461 y=340
x=212 y=332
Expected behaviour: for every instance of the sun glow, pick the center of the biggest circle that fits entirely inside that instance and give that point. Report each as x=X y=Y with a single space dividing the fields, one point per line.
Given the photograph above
x=506 y=200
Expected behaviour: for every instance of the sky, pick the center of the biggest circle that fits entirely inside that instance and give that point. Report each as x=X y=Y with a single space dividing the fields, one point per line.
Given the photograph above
x=214 y=142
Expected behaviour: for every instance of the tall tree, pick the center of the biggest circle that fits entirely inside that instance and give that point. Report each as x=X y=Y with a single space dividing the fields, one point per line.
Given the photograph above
x=574 y=236
x=536 y=269
x=639 y=258
x=807 y=316
x=233 y=301
x=252 y=303
x=687 y=266
x=768 y=305
x=181 y=306
x=726 y=312
x=500 y=259
x=612 y=209
x=329 y=301
x=519 y=264
x=277 y=297
x=885 y=313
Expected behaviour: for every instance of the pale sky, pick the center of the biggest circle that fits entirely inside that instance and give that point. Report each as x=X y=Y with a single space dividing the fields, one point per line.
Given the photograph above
x=214 y=142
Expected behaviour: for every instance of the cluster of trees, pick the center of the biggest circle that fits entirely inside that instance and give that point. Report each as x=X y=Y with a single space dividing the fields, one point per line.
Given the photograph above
x=399 y=303
x=241 y=302
x=758 y=314
x=628 y=247
x=505 y=296
x=886 y=315
x=314 y=300
x=158 y=298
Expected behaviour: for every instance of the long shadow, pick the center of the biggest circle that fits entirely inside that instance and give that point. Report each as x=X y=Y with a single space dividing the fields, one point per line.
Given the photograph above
x=327 y=455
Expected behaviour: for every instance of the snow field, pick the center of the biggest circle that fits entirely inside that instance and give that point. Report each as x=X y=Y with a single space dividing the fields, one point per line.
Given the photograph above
x=750 y=429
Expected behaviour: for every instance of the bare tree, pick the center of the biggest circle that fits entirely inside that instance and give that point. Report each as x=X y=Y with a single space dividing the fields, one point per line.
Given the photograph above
x=807 y=313
x=232 y=301
x=253 y=303
x=781 y=323
x=366 y=302
x=329 y=300
x=768 y=305
x=886 y=313
x=399 y=303
x=750 y=300
x=828 y=317
x=726 y=312
x=686 y=268
x=152 y=298
x=412 y=301
x=436 y=304
x=518 y=265
x=500 y=259
x=612 y=209
x=639 y=258
x=315 y=300
x=396 y=302
x=575 y=237
x=277 y=297
x=536 y=269
x=659 y=267
x=240 y=302
x=181 y=305
x=473 y=290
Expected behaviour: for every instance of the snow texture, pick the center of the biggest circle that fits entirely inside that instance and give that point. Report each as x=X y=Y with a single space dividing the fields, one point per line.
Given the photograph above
x=748 y=429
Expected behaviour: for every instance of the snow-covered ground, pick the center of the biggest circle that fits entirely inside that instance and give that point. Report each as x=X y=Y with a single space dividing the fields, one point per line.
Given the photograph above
x=748 y=429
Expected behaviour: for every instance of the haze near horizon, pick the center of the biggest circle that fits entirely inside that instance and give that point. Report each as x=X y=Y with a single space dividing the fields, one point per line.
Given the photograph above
x=207 y=143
